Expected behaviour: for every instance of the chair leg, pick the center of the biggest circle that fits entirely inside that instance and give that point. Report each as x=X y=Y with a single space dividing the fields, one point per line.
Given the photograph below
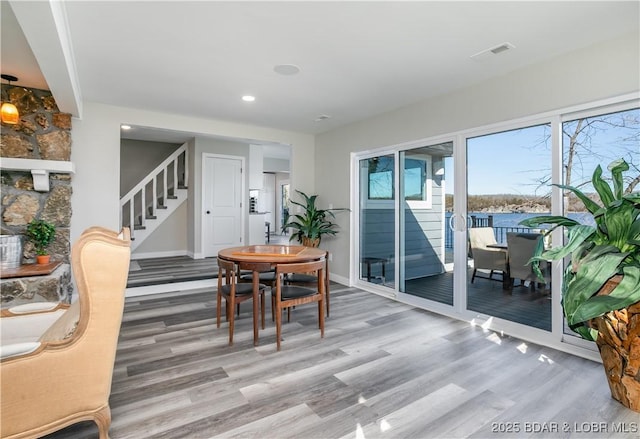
x=273 y=306
x=219 y=308
x=321 y=317
x=231 y=320
x=326 y=297
x=102 y=418
x=473 y=276
x=262 y=308
x=278 y=327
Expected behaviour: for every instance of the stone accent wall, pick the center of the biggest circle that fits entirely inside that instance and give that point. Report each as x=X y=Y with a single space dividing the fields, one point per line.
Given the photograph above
x=42 y=133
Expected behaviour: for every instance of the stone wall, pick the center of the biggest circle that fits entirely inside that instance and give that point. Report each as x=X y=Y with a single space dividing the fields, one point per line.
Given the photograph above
x=43 y=133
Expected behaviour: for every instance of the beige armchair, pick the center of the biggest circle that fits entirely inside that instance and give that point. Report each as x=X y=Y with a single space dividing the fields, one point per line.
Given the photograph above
x=486 y=258
x=64 y=375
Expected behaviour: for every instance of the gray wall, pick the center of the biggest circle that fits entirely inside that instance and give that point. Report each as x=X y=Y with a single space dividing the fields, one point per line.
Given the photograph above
x=138 y=158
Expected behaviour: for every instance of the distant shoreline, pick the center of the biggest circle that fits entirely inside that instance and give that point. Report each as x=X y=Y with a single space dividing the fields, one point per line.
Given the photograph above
x=509 y=203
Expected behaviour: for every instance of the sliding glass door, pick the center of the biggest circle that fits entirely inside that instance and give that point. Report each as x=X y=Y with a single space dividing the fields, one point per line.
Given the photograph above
x=377 y=219
x=407 y=197
x=589 y=140
x=508 y=176
x=462 y=250
x=426 y=236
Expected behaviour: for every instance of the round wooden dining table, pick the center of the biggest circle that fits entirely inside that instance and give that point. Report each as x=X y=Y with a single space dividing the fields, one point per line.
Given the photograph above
x=274 y=255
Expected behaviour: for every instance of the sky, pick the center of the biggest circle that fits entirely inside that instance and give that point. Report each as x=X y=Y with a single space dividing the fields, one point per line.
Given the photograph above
x=513 y=162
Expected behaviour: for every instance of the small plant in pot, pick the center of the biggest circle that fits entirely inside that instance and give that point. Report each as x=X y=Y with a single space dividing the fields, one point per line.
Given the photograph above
x=41 y=234
x=601 y=284
x=313 y=223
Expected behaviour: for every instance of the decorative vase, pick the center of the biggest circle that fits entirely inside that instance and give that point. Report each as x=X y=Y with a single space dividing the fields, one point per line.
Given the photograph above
x=619 y=345
x=43 y=259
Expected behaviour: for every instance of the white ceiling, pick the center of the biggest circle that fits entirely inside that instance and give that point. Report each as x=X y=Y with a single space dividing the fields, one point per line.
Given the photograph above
x=357 y=59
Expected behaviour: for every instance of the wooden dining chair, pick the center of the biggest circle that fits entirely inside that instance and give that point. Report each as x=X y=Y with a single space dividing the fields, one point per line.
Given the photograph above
x=287 y=296
x=305 y=279
x=236 y=293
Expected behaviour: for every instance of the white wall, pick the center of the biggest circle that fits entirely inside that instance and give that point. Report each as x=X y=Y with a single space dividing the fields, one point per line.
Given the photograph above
x=598 y=72
x=96 y=154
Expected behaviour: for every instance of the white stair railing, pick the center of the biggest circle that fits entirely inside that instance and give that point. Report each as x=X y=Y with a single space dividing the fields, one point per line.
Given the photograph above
x=134 y=203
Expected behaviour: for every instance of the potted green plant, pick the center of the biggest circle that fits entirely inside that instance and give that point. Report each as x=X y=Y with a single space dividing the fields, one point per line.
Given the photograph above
x=601 y=284
x=41 y=233
x=313 y=223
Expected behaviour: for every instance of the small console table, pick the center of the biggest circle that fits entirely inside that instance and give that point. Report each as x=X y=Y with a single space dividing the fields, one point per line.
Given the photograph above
x=30 y=270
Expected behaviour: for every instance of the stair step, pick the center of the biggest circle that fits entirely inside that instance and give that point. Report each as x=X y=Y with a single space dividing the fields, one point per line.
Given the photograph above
x=172 y=197
x=139 y=227
x=152 y=217
x=181 y=186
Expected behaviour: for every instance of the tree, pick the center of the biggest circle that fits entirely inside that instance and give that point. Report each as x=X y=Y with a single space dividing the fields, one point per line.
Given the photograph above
x=606 y=138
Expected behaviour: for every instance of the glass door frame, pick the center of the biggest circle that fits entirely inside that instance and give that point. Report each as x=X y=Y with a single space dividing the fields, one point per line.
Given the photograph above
x=394 y=292
x=554 y=338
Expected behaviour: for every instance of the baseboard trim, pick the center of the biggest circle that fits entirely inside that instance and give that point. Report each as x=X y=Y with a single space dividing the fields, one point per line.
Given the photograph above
x=164 y=254
x=171 y=287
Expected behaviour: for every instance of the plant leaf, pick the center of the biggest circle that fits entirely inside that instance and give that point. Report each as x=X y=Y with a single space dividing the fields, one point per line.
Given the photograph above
x=601 y=186
x=590 y=205
x=625 y=294
x=548 y=219
x=589 y=279
x=617 y=167
x=577 y=235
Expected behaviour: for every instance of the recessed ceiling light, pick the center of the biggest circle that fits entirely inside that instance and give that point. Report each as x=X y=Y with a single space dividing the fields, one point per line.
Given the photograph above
x=248 y=98
x=125 y=127
x=322 y=117
x=287 y=69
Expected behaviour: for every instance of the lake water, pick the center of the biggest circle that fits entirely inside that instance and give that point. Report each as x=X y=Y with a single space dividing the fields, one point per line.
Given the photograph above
x=512 y=219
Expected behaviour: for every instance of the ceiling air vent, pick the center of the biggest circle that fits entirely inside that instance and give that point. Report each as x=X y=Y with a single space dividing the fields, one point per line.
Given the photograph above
x=500 y=48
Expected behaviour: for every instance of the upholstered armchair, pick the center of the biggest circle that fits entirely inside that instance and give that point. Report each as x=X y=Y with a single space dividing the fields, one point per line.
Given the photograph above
x=63 y=375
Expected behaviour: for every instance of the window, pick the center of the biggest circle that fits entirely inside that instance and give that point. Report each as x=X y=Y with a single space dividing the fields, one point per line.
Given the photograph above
x=381 y=178
x=417 y=177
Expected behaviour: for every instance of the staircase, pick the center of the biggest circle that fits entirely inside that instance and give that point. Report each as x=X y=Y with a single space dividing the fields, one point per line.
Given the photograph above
x=156 y=197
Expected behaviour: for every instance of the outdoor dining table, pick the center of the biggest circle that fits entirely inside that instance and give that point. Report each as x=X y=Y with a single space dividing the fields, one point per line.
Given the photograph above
x=274 y=255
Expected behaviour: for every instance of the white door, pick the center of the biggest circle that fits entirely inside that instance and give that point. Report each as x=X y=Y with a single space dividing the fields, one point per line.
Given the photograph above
x=222 y=203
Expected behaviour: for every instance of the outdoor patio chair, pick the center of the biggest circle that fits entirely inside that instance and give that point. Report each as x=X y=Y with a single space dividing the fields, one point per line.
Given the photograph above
x=521 y=249
x=486 y=258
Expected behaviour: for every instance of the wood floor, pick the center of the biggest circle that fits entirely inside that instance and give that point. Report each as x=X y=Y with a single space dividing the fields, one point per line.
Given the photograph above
x=383 y=370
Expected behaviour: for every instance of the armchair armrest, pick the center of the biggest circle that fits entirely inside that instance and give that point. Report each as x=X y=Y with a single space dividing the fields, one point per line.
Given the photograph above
x=12 y=350
x=29 y=308
x=26 y=323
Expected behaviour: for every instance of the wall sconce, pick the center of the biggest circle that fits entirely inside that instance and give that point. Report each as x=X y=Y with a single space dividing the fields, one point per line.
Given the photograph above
x=9 y=112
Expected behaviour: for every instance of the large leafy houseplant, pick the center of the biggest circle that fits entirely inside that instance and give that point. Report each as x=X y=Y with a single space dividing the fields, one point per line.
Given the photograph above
x=601 y=284
x=312 y=223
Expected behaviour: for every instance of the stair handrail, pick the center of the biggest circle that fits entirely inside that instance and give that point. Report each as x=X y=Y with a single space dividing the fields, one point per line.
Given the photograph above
x=152 y=177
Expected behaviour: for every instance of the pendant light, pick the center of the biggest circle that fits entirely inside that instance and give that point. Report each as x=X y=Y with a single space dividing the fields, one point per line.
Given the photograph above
x=9 y=111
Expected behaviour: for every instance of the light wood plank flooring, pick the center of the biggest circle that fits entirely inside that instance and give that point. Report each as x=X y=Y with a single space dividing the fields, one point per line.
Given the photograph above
x=383 y=370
